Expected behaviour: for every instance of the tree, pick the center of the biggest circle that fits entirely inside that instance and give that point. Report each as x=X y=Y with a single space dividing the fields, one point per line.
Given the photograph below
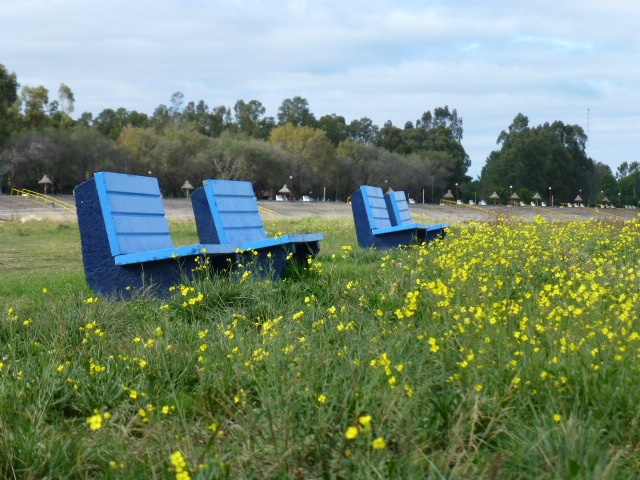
x=296 y=112
x=85 y=120
x=309 y=150
x=442 y=117
x=67 y=156
x=66 y=99
x=166 y=154
x=105 y=123
x=61 y=109
x=437 y=134
x=629 y=185
x=390 y=138
x=34 y=102
x=363 y=131
x=365 y=160
x=608 y=187
x=549 y=155
x=176 y=109
x=238 y=156
x=111 y=123
x=8 y=97
x=248 y=117
x=334 y=127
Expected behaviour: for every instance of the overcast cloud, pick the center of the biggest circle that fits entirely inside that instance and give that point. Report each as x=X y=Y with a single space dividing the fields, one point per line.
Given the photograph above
x=578 y=62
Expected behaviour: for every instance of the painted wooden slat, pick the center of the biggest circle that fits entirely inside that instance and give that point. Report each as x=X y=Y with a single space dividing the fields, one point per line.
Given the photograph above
x=135 y=203
x=237 y=211
x=118 y=182
x=133 y=213
x=145 y=224
x=376 y=206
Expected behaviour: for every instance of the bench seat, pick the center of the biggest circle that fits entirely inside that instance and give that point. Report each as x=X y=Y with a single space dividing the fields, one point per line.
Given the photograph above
x=227 y=213
x=126 y=243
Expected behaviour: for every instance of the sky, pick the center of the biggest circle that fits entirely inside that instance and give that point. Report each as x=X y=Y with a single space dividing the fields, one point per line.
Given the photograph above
x=573 y=61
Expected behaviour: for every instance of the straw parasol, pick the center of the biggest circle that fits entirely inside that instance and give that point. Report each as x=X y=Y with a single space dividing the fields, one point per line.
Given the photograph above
x=186 y=188
x=45 y=181
x=494 y=196
x=537 y=197
x=514 y=197
x=285 y=190
x=578 y=199
x=448 y=195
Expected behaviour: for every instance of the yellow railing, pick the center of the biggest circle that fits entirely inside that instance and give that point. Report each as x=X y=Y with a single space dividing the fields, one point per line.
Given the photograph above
x=44 y=199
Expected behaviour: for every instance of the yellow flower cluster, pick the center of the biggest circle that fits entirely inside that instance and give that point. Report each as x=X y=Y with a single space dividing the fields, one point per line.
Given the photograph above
x=364 y=425
x=180 y=466
x=97 y=420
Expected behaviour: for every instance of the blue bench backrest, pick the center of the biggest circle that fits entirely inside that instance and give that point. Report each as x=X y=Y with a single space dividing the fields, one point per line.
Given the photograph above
x=376 y=207
x=134 y=213
x=235 y=211
x=399 y=208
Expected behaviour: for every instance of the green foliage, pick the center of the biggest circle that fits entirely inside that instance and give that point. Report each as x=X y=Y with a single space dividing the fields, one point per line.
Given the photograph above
x=67 y=156
x=295 y=111
x=550 y=155
x=334 y=127
x=309 y=150
x=178 y=142
x=8 y=96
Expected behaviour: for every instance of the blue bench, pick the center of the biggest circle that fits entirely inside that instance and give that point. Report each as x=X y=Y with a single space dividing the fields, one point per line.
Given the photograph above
x=375 y=227
x=372 y=221
x=400 y=214
x=227 y=213
x=126 y=243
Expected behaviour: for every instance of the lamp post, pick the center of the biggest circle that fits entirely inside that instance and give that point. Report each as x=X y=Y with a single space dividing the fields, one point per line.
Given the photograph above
x=550 y=198
x=511 y=194
x=291 y=182
x=456 y=192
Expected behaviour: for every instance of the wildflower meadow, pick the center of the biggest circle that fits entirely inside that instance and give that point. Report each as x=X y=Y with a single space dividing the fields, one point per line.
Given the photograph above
x=507 y=350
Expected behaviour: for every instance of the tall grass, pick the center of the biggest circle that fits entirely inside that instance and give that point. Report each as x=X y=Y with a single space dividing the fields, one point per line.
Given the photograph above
x=505 y=351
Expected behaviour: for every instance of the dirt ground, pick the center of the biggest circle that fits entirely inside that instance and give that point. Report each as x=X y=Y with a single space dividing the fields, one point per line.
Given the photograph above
x=25 y=208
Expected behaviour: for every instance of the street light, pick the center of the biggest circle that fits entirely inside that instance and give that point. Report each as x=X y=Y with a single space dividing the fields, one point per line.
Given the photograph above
x=550 y=198
x=456 y=192
x=291 y=182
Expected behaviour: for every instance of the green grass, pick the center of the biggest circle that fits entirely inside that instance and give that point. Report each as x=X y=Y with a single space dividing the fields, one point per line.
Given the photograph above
x=505 y=351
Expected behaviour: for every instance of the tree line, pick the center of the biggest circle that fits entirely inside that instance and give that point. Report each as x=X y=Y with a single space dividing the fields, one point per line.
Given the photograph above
x=325 y=158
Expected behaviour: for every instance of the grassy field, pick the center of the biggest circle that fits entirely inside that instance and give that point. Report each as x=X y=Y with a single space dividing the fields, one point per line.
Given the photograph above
x=508 y=350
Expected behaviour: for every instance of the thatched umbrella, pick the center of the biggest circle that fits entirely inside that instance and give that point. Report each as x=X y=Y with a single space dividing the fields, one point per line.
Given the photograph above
x=578 y=199
x=606 y=200
x=537 y=197
x=285 y=190
x=186 y=188
x=494 y=196
x=45 y=181
x=514 y=197
x=448 y=195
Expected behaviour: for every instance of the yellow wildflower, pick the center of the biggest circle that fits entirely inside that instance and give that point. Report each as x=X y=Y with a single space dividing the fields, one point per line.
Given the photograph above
x=351 y=433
